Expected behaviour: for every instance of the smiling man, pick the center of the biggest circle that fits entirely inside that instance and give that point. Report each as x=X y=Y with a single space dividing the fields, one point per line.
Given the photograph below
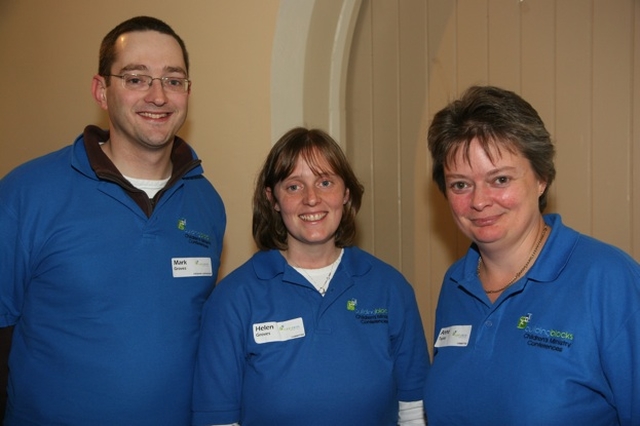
x=108 y=249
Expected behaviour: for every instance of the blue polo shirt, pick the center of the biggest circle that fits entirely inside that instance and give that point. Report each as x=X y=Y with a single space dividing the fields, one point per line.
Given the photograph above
x=273 y=351
x=559 y=347
x=106 y=301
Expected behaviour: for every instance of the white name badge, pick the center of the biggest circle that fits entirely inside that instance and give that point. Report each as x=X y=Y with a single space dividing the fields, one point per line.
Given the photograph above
x=455 y=335
x=266 y=332
x=191 y=267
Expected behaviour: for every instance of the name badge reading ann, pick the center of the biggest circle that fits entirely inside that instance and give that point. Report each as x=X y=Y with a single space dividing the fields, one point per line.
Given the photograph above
x=182 y=267
x=455 y=335
x=266 y=332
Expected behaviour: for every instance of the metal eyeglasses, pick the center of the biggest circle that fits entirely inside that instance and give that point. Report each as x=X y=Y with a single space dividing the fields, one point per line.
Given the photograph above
x=143 y=82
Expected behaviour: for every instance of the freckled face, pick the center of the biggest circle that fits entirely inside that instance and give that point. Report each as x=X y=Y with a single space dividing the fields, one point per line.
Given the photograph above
x=493 y=202
x=310 y=204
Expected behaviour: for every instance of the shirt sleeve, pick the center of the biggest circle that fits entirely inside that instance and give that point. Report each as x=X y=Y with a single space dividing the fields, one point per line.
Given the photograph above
x=615 y=315
x=13 y=264
x=410 y=346
x=621 y=365
x=219 y=370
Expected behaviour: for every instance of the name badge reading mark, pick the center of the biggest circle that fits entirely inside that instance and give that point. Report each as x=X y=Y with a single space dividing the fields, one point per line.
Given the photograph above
x=455 y=335
x=182 y=267
x=272 y=331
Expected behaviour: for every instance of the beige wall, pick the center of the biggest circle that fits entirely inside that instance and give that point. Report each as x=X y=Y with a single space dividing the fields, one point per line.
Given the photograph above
x=576 y=61
x=49 y=53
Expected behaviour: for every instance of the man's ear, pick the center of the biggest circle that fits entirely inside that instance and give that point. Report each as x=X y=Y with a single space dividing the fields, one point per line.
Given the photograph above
x=99 y=91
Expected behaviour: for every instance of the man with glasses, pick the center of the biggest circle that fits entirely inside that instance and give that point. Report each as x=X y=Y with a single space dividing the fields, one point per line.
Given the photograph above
x=108 y=249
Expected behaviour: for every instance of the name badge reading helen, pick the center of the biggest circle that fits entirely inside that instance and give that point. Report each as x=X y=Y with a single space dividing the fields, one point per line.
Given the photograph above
x=182 y=267
x=455 y=335
x=266 y=332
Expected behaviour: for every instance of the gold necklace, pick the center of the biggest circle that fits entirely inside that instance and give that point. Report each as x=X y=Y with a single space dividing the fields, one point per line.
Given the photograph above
x=521 y=271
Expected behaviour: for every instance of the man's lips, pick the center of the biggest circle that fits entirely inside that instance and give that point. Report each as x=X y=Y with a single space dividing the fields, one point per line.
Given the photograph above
x=155 y=115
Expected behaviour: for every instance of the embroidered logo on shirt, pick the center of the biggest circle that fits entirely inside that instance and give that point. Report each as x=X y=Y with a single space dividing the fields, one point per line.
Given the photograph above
x=523 y=321
x=548 y=338
x=194 y=237
x=369 y=316
x=351 y=304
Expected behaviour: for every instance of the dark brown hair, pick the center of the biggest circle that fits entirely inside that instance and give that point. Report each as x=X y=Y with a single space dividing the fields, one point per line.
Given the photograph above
x=138 y=23
x=269 y=231
x=497 y=118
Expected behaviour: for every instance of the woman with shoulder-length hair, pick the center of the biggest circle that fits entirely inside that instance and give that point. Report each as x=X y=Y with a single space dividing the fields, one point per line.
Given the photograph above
x=311 y=330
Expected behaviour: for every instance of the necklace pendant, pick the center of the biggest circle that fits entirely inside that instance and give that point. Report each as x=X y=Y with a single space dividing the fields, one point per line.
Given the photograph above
x=312 y=275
